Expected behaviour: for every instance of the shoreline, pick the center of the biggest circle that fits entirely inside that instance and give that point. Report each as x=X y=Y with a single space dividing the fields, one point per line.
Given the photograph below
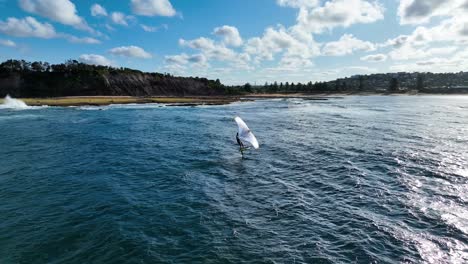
x=196 y=100
x=109 y=100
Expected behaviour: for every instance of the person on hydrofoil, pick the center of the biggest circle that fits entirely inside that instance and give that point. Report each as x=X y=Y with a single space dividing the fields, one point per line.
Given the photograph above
x=241 y=145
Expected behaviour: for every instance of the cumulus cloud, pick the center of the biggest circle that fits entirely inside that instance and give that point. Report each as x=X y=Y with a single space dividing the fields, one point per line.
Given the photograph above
x=183 y=59
x=217 y=51
x=395 y=42
x=85 y=40
x=153 y=28
x=375 y=58
x=339 y=13
x=409 y=52
x=27 y=27
x=421 y=11
x=62 y=11
x=209 y=48
x=153 y=8
x=229 y=34
x=98 y=10
x=7 y=43
x=420 y=43
x=94 y=59
x=294 y=63
x=294 y=47
x=30 y=27
x=451 y=31
x=436 y=64
x=131 y=51
x=298 y=3
x=120 y=18
x=347 y=44
x=290 y=42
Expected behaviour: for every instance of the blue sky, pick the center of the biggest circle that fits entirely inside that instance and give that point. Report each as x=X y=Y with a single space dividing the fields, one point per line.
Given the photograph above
x=243 y=40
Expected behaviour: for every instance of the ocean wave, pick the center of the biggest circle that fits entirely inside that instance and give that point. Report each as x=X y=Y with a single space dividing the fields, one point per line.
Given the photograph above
x=10 y=103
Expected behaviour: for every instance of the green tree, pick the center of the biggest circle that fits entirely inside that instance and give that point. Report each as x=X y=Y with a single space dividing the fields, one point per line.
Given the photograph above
x=394 y=85
x=419 y=82
x=299 y=87
x=310 y=86
x=361 y=83
x=37 y=66
x=274 y=87
x=247 y=87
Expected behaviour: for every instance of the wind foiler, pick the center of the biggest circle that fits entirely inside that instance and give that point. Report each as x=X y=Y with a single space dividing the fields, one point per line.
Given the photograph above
x=245 y=135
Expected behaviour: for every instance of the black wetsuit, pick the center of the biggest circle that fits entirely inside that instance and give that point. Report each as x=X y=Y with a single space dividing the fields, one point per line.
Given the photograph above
x=239 y=141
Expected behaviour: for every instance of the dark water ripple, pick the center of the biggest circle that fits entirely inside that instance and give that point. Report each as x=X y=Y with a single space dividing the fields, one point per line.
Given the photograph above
x=352 y=180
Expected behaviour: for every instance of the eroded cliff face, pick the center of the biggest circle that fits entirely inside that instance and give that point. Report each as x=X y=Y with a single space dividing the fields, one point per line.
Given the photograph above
x=54 y=84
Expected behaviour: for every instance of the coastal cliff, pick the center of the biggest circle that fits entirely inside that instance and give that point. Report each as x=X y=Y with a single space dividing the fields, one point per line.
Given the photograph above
x=23 y=79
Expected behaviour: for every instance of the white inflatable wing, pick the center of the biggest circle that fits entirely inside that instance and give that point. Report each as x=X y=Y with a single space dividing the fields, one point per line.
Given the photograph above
x=245 y=134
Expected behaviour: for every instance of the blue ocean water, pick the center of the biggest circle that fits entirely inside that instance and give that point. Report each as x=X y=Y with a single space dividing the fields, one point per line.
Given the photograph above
x=365 y=179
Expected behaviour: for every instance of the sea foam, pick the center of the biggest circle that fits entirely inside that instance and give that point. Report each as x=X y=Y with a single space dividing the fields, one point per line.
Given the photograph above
x=12 y=103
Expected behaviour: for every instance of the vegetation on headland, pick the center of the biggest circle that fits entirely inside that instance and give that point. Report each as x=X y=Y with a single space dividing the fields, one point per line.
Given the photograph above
x=24 y=79
x=43 y=80
x=386 y=83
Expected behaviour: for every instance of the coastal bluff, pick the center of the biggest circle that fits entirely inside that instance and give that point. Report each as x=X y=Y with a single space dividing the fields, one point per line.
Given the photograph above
x=24 y=79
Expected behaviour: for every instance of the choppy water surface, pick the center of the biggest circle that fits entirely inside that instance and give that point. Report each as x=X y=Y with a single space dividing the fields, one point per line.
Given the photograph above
x=356 y=179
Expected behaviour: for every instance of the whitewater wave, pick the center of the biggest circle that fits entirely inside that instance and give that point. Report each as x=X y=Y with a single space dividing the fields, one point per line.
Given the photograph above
x=16 y=104
x=136 y=106
x=11 y=103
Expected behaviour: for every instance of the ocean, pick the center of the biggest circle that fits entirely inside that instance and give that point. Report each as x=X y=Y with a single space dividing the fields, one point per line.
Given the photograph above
x=357 y=179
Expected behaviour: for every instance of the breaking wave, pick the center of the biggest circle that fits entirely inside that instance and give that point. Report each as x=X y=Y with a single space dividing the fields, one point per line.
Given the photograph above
x=12 y=103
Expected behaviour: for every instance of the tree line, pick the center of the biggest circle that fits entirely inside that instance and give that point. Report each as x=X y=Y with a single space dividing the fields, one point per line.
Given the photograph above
x=74 y=67
x=280 y=87
x=381 y=82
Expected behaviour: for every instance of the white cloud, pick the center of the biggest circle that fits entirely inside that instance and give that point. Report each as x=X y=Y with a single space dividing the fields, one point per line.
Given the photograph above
x=175 y=69
x=375 y=57
x=98 y=10
x=409 y=52
x=120 y=18
x=294 y=63
x=452 y=29
x=153 y=28
x=131 y=51
x=183 y=59
x=27 y=27
x=85 y=40
x=94 y=59
x=291 y=42
x=358 y=69
x=7 y=43
x=292 y=48
x=347 y=44
x=436 y=64
x=229 y=34
x=217 y=51
x=395 y=42
x=420 y=44
x=339 y=13
x=30 y=27
x=421 y=11
x=153 y=8
x=298 y=3
x=446 y=31
x=109 y=27
x=209 y=48
x=62 y=11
